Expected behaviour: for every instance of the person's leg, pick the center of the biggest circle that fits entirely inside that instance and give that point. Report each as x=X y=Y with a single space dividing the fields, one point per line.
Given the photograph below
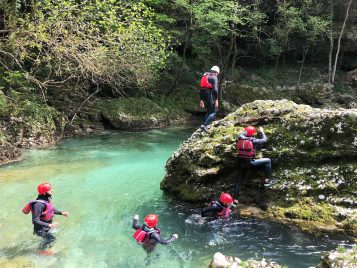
x=211 y=110
x=241 y=174
x=48 y=239
x=266 y=162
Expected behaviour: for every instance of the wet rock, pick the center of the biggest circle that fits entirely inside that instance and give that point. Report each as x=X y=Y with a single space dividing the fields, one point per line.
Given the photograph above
x=340 y=258
x=221 y=261
x=314 y=154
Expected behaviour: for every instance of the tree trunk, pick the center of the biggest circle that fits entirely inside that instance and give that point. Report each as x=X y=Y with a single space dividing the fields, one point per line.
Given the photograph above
x=304 y=53
x=339 y=42
x=187 y=38
x=331 y=44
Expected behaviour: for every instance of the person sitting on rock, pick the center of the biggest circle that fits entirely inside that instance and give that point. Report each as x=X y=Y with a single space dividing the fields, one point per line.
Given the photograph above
x=148 y=235
x=246 y=149
x=221 y=208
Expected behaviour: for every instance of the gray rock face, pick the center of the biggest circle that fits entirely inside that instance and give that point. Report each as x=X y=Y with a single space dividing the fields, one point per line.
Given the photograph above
x=314 y=154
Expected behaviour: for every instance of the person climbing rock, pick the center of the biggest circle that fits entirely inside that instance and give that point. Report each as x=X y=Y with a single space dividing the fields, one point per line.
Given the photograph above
x=209 y=96
x=221 y=208
x=148 y=235
x=246 y=151
x=43 y=212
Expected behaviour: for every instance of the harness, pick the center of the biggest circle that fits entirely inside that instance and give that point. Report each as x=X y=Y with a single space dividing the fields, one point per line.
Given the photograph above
x=46 y=215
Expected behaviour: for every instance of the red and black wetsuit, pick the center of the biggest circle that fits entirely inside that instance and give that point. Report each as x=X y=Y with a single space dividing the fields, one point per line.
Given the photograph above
x=41 y=226
x=154 y=237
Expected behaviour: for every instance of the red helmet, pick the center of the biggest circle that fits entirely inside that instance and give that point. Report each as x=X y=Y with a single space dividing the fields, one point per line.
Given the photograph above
x=226 y=198
x=250 y=130
x=151 y=220
x=43 y=188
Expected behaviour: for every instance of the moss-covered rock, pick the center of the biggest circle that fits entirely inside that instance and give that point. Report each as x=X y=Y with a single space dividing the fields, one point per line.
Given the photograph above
x=27 y=124
x=340 y=258
x=141 y=113
x=314 y=154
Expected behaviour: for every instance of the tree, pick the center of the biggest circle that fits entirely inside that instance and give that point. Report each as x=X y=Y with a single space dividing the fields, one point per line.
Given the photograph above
x=339 y=41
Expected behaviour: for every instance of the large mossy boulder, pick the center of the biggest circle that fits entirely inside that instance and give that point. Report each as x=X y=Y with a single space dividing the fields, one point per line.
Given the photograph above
x=27 y=124
x=314 y=154
x=140 y=113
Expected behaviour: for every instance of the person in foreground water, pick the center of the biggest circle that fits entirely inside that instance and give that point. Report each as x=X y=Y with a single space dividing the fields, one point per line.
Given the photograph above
x=221 y=208
x=43 y=212
x=148 y=235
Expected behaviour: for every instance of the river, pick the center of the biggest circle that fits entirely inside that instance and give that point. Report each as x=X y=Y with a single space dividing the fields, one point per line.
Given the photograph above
x=103 y=181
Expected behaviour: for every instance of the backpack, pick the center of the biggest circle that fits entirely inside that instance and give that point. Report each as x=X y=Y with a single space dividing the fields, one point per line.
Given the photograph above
x=245 y=149
x=140 y=235
x=204 y=84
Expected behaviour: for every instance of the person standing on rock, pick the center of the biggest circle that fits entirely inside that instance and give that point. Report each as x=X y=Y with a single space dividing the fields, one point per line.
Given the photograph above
x=43 y=212
x=246 y=149
x=221 y=208
x=209 y=96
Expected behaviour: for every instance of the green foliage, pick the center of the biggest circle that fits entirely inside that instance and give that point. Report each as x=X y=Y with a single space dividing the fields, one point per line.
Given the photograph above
x=297 y=23
x=108 y=42
x=3 y=104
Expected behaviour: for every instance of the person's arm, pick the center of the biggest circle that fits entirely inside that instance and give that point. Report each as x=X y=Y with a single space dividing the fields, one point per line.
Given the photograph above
x=57 y=212
x=136 y=226
x=211 y=210
x=262 y=139
x=243 y=136
x=155 y=236
x=213 y=80
x=37 y=209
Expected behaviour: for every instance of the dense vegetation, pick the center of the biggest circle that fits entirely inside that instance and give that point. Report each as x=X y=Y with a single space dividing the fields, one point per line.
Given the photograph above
x=62 y=53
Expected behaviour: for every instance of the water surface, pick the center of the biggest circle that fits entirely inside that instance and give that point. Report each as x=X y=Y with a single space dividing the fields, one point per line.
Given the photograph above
x=103 y=181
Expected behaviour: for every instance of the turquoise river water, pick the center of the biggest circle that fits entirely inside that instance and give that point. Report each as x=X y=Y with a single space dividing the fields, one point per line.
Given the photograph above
x=103 y=181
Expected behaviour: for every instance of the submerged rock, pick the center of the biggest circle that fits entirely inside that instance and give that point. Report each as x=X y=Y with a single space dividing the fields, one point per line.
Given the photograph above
x=314 y=154
x=221 y=261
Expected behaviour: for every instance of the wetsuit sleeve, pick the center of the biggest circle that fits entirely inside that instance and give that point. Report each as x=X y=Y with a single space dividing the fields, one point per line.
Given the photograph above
x=243 y=136
x=57 y=212
x=136 y=226
x=37 y=209
x=213 y=80
x=155 y=236
x=211 y=210
x=261 y=140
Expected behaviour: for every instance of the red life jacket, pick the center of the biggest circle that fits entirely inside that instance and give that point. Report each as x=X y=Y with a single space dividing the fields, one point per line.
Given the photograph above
x=142 y=236
x=245 y=149
x=46 y=215
x=226 y=211
x=204 y=82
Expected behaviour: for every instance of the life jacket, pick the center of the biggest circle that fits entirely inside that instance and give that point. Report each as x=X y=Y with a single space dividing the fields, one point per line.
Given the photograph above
x=204 y=82
x=245 y=149
x=226 y=211
x=46 y=215
x=141 y=236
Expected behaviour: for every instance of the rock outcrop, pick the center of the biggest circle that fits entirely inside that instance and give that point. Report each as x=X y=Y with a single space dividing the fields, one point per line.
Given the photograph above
x=221 y=261
x=314 y=154
x=340 y=258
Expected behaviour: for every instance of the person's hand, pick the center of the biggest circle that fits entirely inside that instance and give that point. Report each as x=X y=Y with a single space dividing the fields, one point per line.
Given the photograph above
x=53 y=225
x=261 y=129
x=136 y=217
x=65 y=213
x=216 y=104
x=202 y=104
x=175 y=235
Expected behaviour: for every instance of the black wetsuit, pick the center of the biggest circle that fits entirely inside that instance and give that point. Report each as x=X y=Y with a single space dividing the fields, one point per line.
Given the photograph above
x=41 y=227
x=245 y=164
x=214 y=208
x=208 y=96
x=153 y=238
